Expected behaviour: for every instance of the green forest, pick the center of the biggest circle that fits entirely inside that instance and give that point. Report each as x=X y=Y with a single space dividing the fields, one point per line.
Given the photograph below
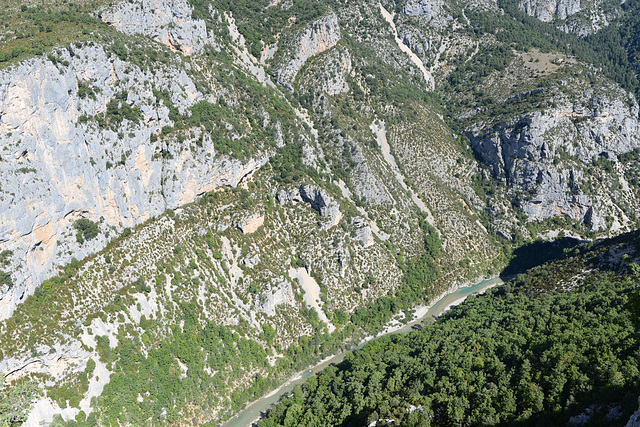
x=519 y=355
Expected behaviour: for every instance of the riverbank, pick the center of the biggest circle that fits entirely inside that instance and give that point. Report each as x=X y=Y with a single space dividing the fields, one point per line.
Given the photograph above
x=445 y=301
x=421 y=311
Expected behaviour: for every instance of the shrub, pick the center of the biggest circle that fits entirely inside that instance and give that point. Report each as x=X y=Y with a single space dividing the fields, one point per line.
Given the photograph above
x=86 y=228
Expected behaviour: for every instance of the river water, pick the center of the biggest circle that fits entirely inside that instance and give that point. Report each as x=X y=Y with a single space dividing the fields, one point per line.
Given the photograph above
x=251 y=413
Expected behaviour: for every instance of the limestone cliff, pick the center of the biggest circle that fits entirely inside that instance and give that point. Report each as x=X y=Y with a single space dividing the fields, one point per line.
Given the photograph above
x=546 y=154
x=167 y=22
x=316 y=38
x=573 y=16
x=57 y=168
x=264 y=174
x=548 y=10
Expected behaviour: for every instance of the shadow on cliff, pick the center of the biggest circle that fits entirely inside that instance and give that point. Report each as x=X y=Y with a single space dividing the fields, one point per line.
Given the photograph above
x=536 y=253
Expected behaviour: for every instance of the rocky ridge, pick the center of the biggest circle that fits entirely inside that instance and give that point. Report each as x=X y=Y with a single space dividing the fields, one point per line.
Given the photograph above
x=45 y=109
x=573 y=16
x=165 y=21
x=547 y=11
x=319 y=36
x=549 y=158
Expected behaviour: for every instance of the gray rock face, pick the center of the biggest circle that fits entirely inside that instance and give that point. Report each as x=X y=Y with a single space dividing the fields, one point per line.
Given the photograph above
x=415 y=41
x=55 y=170
x=274 y=296
x=544 y=154
x=323 y=203
x=366 y=185
x=251 y=261
x=289 y=196
x=250 y=223
x=547 y=10
x=166 y=21
x=319 y=200
x=363 y=231
x=634 y=420
x=318 y=37
x=56 y=361
x=427 y=8
x=581 y=17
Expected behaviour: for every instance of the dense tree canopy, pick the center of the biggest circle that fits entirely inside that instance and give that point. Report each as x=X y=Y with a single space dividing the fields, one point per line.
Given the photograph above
x=508 y=357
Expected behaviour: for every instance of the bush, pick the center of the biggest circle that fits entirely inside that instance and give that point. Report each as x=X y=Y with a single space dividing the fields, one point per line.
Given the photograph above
x=86 y=228
x=5 y=278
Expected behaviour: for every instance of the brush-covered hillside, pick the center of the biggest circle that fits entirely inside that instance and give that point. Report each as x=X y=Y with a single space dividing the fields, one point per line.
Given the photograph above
x=198 y=198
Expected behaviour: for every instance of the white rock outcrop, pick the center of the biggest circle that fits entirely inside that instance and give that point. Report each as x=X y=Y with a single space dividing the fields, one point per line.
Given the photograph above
x=251 y=223
x=166 y=21
x=548 y=10
x=525 y=153
x=281 y=293
x=57 y=168
x=319 y=200
x=573 y=16
x=316 y=38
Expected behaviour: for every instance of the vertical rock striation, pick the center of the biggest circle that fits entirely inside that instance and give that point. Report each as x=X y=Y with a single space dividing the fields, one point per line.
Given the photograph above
x=59 y=165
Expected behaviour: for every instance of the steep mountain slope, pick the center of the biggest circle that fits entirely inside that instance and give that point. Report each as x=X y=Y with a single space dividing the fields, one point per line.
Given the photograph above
x=207 y=195
x=555 y=346
x=127 y=143
x=158 y=129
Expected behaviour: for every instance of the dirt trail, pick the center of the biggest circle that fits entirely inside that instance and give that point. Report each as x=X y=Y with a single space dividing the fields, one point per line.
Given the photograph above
x=406 y=49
